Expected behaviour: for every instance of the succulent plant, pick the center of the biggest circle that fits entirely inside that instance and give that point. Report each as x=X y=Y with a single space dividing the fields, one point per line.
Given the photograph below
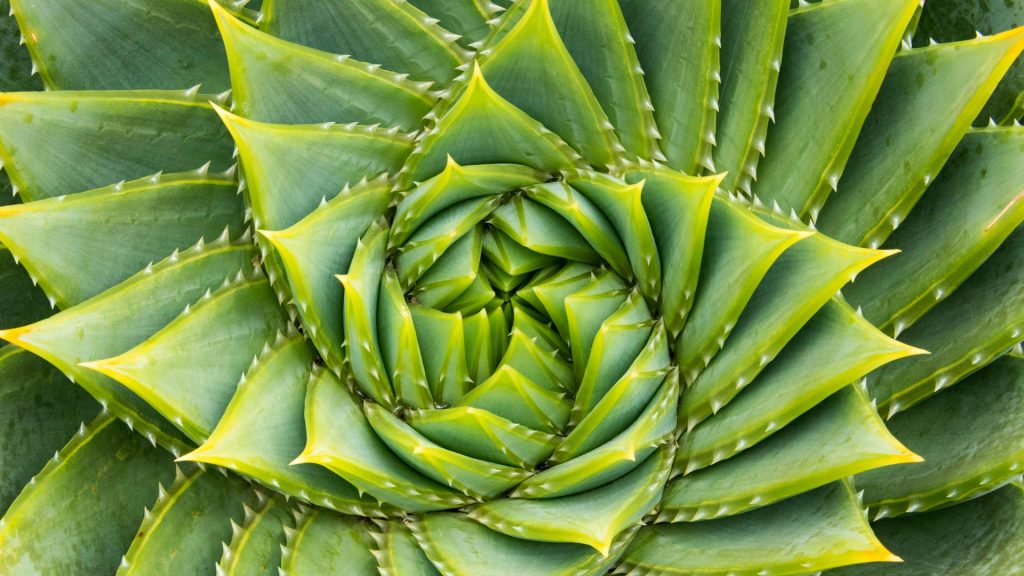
x=701 y=287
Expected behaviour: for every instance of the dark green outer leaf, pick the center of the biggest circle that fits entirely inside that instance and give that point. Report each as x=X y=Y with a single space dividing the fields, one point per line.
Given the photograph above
x=15 y=64
x=20 y=302
x=123 y=44
x=984 y=537
x=81 y=512
x=971 y=438
x=950 y=20
x=979 y=322
x=39 y=410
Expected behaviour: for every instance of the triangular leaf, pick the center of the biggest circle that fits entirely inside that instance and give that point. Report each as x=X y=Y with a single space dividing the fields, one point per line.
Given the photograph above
x=123 y=44
x=834 y=348
x=191 y=517
x=838 y=438
x=481 y=127
x=124 y=135
x=122 y=317
x=532 y=68
x=263 y=429
x=416 y=44
x=678 y=51
x=836 y=54
x=968 y=212
x=978 y=323
x=971 y=439
x=594 y=518
x=319 y=247
x=273 y=80
x=59 y=239
x=814 y=531
x=102 y=479
x=926 y=104
x=340 y=439
x=803 y=280
x=189 y=369
x=459 y=546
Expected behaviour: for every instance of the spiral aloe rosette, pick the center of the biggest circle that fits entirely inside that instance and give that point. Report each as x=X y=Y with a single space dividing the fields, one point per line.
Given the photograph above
x=530 y=288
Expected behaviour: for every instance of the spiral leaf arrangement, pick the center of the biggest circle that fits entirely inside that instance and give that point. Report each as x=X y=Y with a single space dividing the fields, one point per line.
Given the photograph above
x=544 y=287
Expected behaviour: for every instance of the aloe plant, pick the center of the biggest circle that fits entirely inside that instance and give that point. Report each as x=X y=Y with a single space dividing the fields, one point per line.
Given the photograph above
x=418 y=287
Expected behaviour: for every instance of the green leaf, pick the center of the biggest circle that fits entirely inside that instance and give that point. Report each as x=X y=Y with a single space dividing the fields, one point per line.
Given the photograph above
x=623 y=402
x=340 y=439
x=967 y=213
x=594 y=518
x=57 y=239
x=189 y=369
x=467 y=19
x=511 y=395
x=575 y=208
x=622 y=203
x=399 y=346
x=125 y=135
x=255 y=548
x=430 y=241
x=542 y=230
x=319 y=247
x=20 y=301
x=480 y=357
x=16 y=67
x=39 y=410
x=100 y=481
x=678 y=49
x=678 y=208
x=617 y=342
x=926 y=104
x=476 y=478
x=124 y=316
x=442 y=342
x=481 y=127
x=739 y=249
x=537 y=361
x=452 y=273
x=263 y=429
x=978 y=323
x=181 y=531
x=814 y=531
x=838 y=438
x=415 y=44
x=752 y=39
x=979 y=538
x=273 y=80
x=398 y=553
x=362 y=288
x=617 y=457
x=593 y=295
x=532 y=68
x=324 y=157
x=481 y=434
x=459 y=546
x=327 y=543
x=971 y=438
x=836 y=347
x=598 y=41
x=800 y=283
x=456 y=184
x=952 y=20
x=122 y=44
x=836 y=55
